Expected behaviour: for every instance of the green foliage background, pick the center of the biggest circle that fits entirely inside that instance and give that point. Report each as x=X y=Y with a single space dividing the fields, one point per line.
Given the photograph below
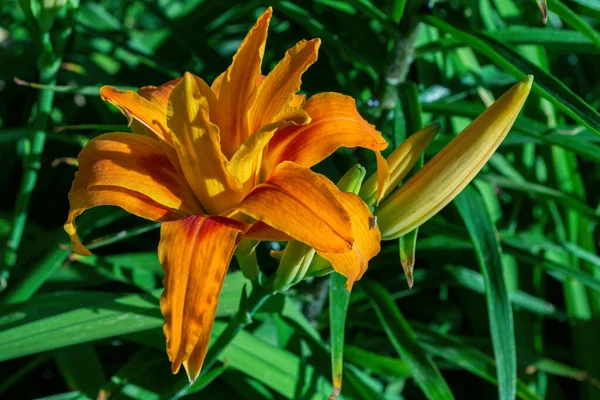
x=507 y=278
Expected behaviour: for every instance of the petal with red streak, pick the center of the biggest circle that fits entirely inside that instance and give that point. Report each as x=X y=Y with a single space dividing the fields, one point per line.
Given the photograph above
x=195 y=253
x=128 y=170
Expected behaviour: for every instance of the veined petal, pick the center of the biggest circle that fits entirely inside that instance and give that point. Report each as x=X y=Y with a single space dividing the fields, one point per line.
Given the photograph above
x=281 y=85
x=159 y=95
x=137 y=108
x=400 y=162
x=354 y=263
x=335 y=123
x=245 y=162
x=197 y=143
x=216 y=85
x=446 y=174
x=298 y=100
x=130 y=171
x=238 y=86
x=261 y=231
x=295 y=200
x=195 y=253
x=132 y=202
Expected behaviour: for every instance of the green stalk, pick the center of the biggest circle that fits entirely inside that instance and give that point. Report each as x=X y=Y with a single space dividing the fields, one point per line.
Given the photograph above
x=49 y=60
x=260 y=293
x=241 y=319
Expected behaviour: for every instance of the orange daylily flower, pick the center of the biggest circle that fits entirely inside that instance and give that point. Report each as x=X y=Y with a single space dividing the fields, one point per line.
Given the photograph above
x=224 y=162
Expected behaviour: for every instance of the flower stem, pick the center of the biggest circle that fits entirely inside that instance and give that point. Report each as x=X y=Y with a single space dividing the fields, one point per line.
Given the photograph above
x=243 y=317
x=48 y=62
x=260 y=293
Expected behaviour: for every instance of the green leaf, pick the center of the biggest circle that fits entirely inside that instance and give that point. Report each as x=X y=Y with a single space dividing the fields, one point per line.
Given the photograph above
x=456 y=351
x=545 y=84
x=381 y=365
x=55 y=320
x=571 y=18
x=86 y=380
x=485 y=242
x=339 y=298
x=404 y=340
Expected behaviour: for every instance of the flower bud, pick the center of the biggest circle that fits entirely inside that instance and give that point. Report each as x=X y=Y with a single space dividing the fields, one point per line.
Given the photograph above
x=400 y=163
x=352 y=179
x=447 y=174
x=245 y=254
x=293 y=265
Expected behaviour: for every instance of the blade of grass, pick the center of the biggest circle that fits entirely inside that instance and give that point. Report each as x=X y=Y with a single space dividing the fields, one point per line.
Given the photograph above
x=426 y=374
x=87 y=380
x=489 y=255
x=339 y=298
x=571 y=18
x=456 y=351
x=546 y=85
x=55 y=320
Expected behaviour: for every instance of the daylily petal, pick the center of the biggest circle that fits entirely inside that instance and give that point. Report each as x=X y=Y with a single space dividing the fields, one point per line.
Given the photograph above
x=197 y=143
x=238 y=87
x=245 y=161
x=295 y=201
x=354 y=263
x=261 y=231
x=194 y=253
x=335 y=123
x=158 y=95
x=132 y=202
x=280 y=86
x=447 y=174
x=137 y=108
x=298 y=100
x=216 y=85
x=130 y=171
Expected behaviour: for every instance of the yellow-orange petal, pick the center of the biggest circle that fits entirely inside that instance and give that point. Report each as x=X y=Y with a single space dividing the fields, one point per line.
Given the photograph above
x=298 y=100
x=245 y=163
x=159 y=95
x=335 y=123
x=261 y=231
x=216 y=85
x=295 y=201
x=129 y=171
x=238 y=86
x=283 y=82
x=197 y=143
x=195 y=253
x=354 y=263
x=132 y=202
x=137 y=108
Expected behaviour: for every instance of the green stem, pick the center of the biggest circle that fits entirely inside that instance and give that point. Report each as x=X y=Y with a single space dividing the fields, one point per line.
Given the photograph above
x=243 y=317
x=34 y=148
x=49 y=60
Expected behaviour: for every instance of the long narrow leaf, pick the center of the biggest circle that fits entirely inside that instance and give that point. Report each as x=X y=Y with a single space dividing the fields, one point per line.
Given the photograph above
x=485 y=242
x=404 y=340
